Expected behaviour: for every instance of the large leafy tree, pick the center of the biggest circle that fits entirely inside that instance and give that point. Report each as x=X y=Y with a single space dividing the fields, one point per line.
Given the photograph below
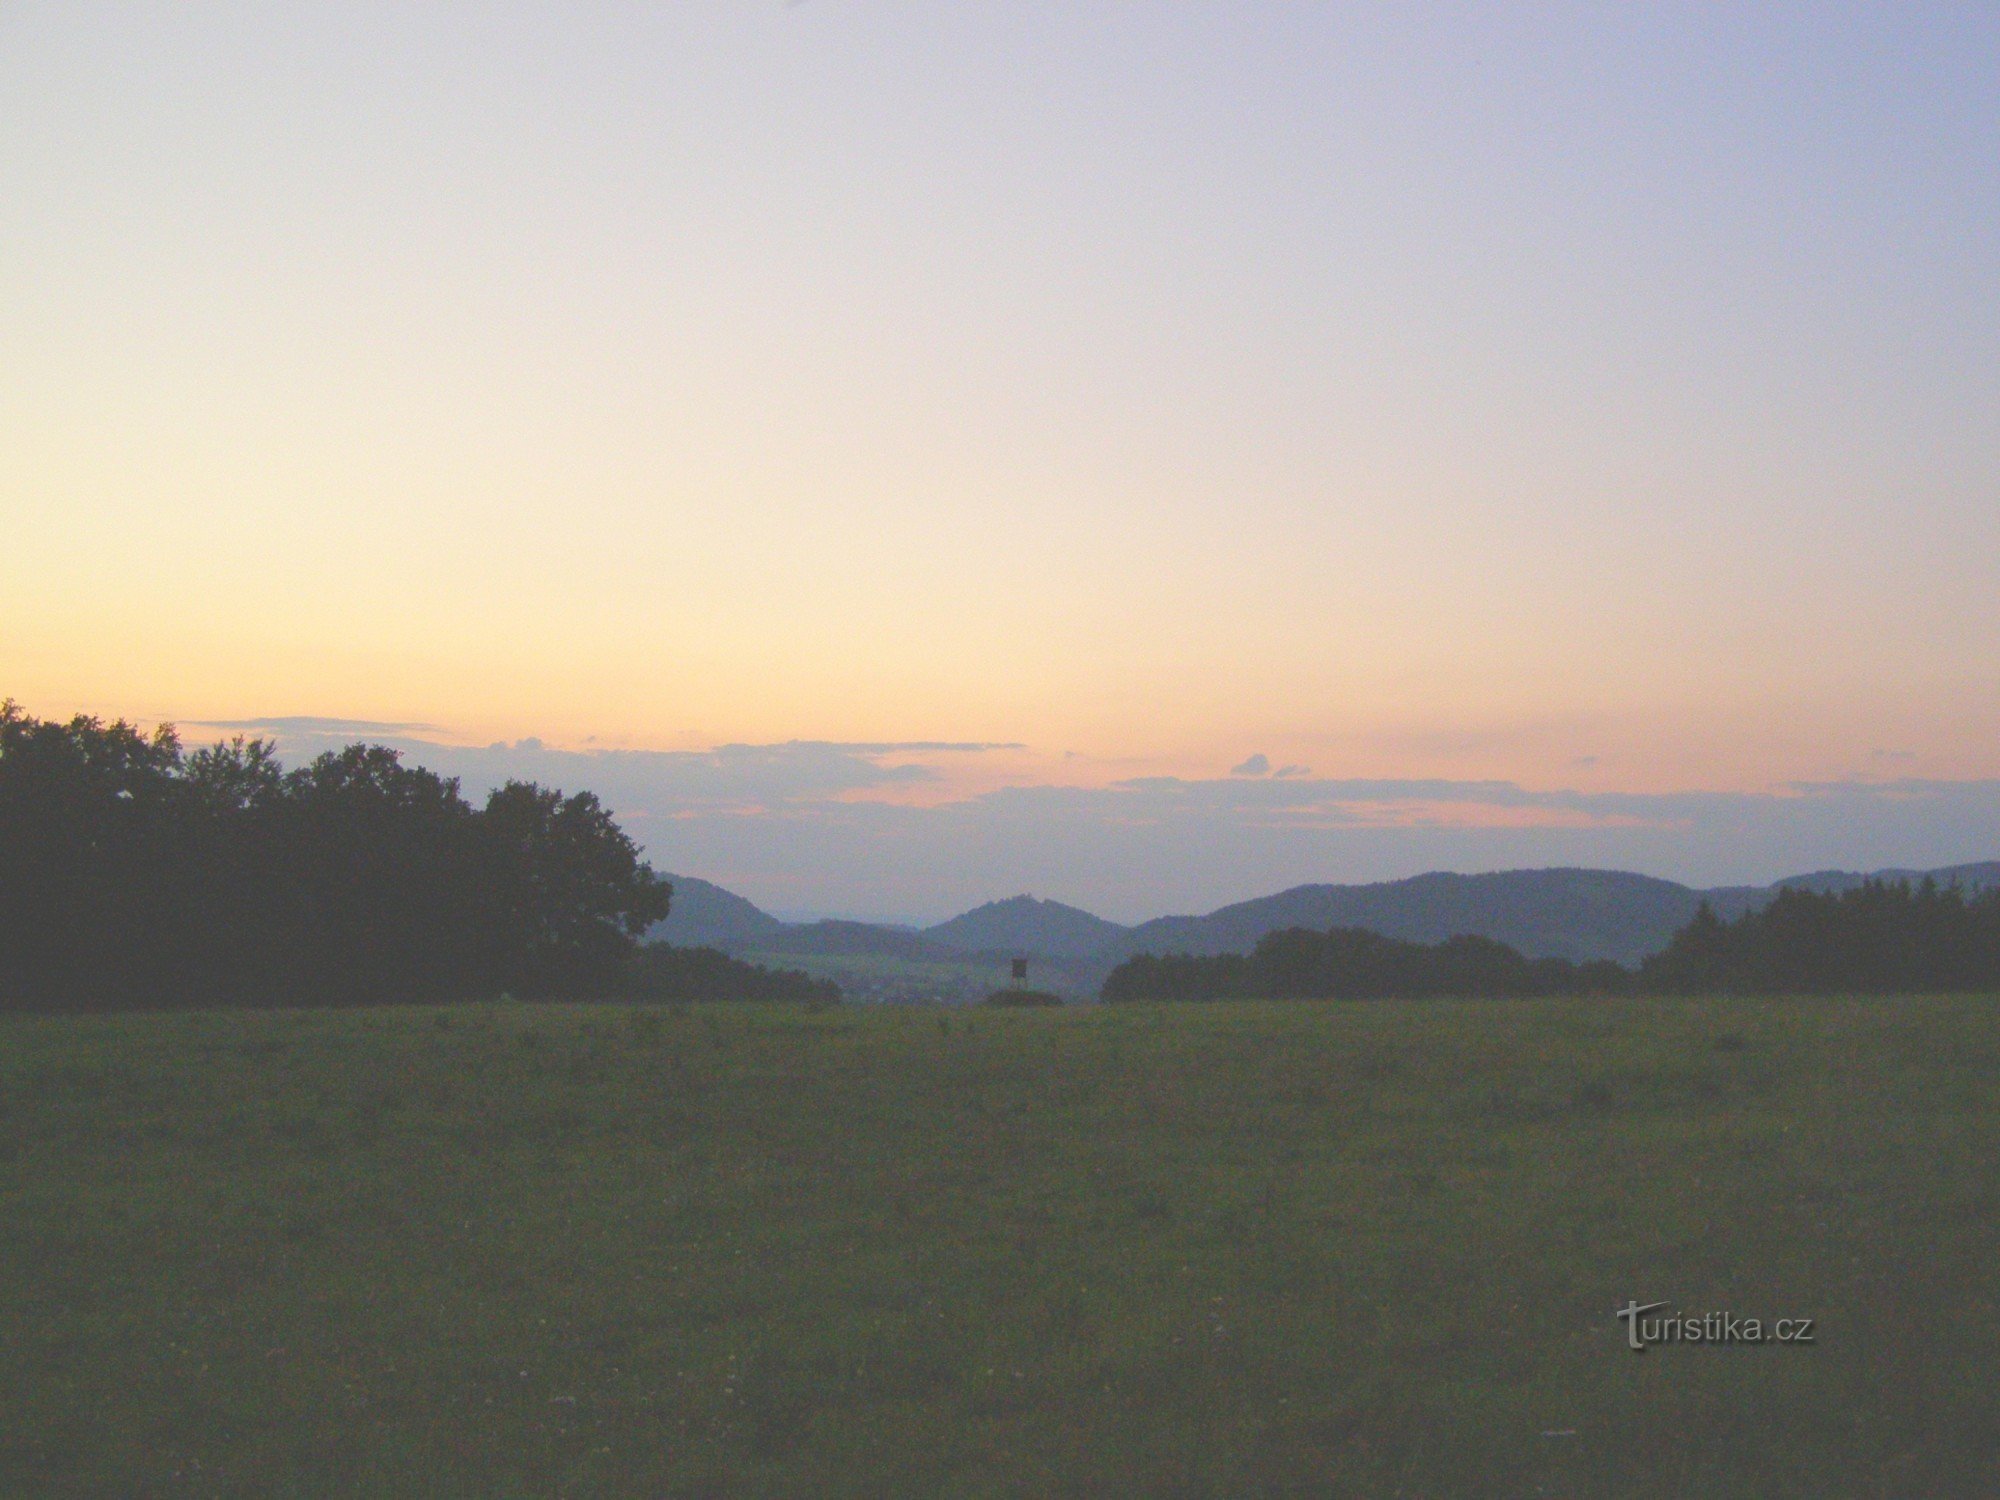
x=133 y=873
x=574 y=895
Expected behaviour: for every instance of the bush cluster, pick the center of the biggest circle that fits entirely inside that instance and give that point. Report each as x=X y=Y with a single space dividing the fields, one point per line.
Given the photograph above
x=663 y=972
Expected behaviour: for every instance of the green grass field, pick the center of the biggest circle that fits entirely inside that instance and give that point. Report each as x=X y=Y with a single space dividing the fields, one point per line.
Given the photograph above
x=1367 y=1249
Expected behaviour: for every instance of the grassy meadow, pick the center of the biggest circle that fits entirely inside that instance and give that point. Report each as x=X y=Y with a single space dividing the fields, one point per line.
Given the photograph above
x=1363 y=1248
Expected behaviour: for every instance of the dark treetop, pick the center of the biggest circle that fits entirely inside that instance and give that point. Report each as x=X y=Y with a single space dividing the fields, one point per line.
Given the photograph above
x=132 y=873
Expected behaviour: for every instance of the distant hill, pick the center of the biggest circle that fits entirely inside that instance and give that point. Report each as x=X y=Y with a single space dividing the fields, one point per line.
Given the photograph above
x=704 y=915
x=847 y=939
x=1023 y=925
x=1573 y=914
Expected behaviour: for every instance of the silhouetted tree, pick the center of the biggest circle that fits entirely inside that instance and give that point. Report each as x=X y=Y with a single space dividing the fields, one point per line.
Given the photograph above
x=575 y=896
x=1878 y=938
x=1353 y=963
x=133 y=874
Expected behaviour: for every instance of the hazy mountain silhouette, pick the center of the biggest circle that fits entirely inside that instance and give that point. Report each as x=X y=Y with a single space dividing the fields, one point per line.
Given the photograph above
x=1559 y=913
x=1023 y=925
x=851 y=939
x=1573 y=914
x=704 y=915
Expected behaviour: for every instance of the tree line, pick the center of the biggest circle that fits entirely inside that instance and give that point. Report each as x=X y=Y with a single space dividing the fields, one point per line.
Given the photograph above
x=1352 y=963
x=1878 y=938
x=135 y=873
x=663 y=972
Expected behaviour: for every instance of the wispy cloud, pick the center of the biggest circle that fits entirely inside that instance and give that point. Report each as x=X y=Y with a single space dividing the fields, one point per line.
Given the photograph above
x=898 y=747
x=1145 y=847
x=313 y=724
x=819 y=824
x=662 y=784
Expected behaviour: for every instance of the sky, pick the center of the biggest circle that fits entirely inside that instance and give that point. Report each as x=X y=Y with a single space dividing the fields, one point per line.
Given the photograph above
x=1147 y=454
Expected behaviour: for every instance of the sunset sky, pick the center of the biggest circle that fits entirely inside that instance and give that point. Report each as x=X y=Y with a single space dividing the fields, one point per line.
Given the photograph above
x=905 y=454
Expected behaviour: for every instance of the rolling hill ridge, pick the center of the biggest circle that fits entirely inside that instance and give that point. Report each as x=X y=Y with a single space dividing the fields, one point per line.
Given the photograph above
x=1576 y=914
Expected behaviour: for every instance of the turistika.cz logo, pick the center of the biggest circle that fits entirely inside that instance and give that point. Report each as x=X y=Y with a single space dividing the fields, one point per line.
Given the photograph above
x=1643 y=1331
